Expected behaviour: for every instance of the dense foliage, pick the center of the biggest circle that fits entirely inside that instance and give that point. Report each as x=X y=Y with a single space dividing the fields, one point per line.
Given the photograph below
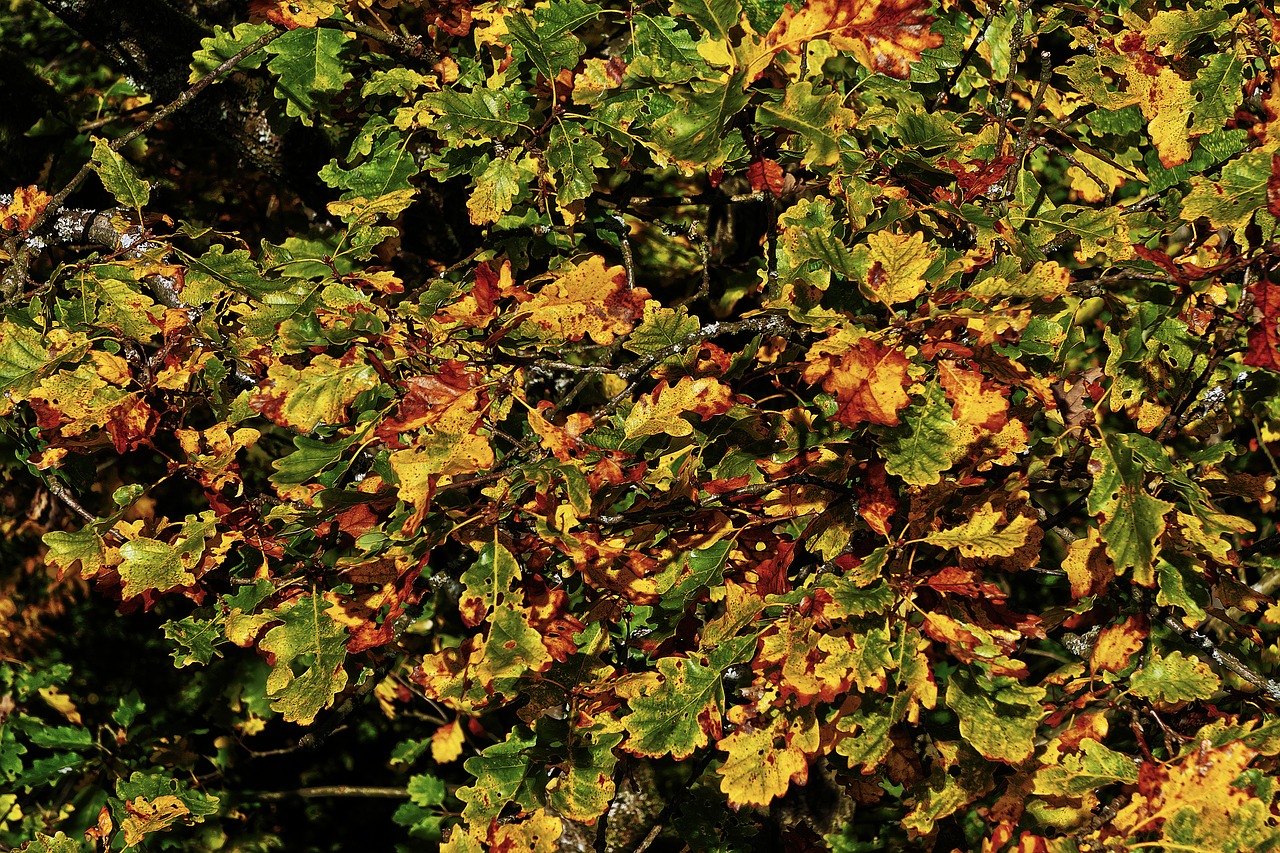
x=601 y=426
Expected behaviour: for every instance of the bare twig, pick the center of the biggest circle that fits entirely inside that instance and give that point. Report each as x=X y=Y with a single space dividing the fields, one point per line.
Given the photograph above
x=63 y=494
x=1015 y=49
x=1269 y=686
x=55 y=204
x=412 y=45
x=333 y=791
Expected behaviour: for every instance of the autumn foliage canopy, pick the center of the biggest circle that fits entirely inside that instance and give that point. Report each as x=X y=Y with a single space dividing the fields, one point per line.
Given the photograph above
x=845 y=425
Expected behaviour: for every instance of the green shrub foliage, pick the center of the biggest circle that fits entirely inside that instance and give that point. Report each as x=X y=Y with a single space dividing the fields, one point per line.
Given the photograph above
x=604 y=426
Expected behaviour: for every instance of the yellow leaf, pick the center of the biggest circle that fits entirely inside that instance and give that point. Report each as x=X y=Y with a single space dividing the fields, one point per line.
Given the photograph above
x=978 y=536
x=446 y=743
x=896 y=265
x=538 y=833
x=587 y=299
x=765 y=757
x=1164 y=99
x=660 y=412
x=146 y=817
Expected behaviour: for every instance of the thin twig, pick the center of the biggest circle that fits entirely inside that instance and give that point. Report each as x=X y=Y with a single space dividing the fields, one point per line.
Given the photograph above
x=63 y=494
x=1223 y=658
x=968 y=55
x=55 y=204
x=411 y=45
x=332 y=791
x=1015 y=49
x=1025 y=136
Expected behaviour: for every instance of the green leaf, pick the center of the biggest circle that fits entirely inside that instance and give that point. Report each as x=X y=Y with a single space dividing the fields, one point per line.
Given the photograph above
x=223 y=45
x=811 y=247
x=1232 y=201
x=998 y=716
x=308 y=639
x=922 y=448
x=119 y=177
x=868 y=729
x=426 y=790
x=22 y=355
x=660 y=329
x=57 y=843
x=662 y=51
x=488 y=581
x=584 y=786
x=117 y=295
x=1217 y=90
x=1134 y=520
x=958 y=778
x=574 y=156
x=1094 y=767
x=715 y=17
x=1173 y=32
x=318 y=394
x=815 y=116
x=502 y=775
x=311 y=457
x=196 y=640
x=501 y=182
x=763 y=13
x=485 y=113
x=692 y=573
x=1175 y=678
x=129 y=709
x=512 y=650
x=83 y=547
x=387 y=168
x=545 y=35
x=979 y=537
x=694 y=133
x=854 y=600
x=55 y=737
x=680 y=714
x=308 y=63
x=216 y=272
x=151 y=564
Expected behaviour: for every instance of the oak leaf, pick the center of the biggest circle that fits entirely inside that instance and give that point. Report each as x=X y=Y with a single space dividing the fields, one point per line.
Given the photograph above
x=25 y=207
x=867 y=382
x=660 y=412
x=886 y=36
x=584 y=300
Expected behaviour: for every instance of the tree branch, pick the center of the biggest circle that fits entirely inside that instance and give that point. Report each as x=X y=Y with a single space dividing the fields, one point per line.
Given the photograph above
x=332 y=791
x=156 y=117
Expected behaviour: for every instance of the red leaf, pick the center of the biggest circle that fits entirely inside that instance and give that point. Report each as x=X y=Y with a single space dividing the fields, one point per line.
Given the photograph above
x=766 y=174
x=1264 y=337
x=1273 y=187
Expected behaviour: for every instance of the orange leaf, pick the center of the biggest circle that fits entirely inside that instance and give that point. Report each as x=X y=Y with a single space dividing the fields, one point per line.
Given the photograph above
x=564 y=441
x=1117 y=644
x=973 y=401
x=1264 y=336
x=867 y=383
x=884 y=35
x=876 y=501
x=587 y=299
x=27 y=204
